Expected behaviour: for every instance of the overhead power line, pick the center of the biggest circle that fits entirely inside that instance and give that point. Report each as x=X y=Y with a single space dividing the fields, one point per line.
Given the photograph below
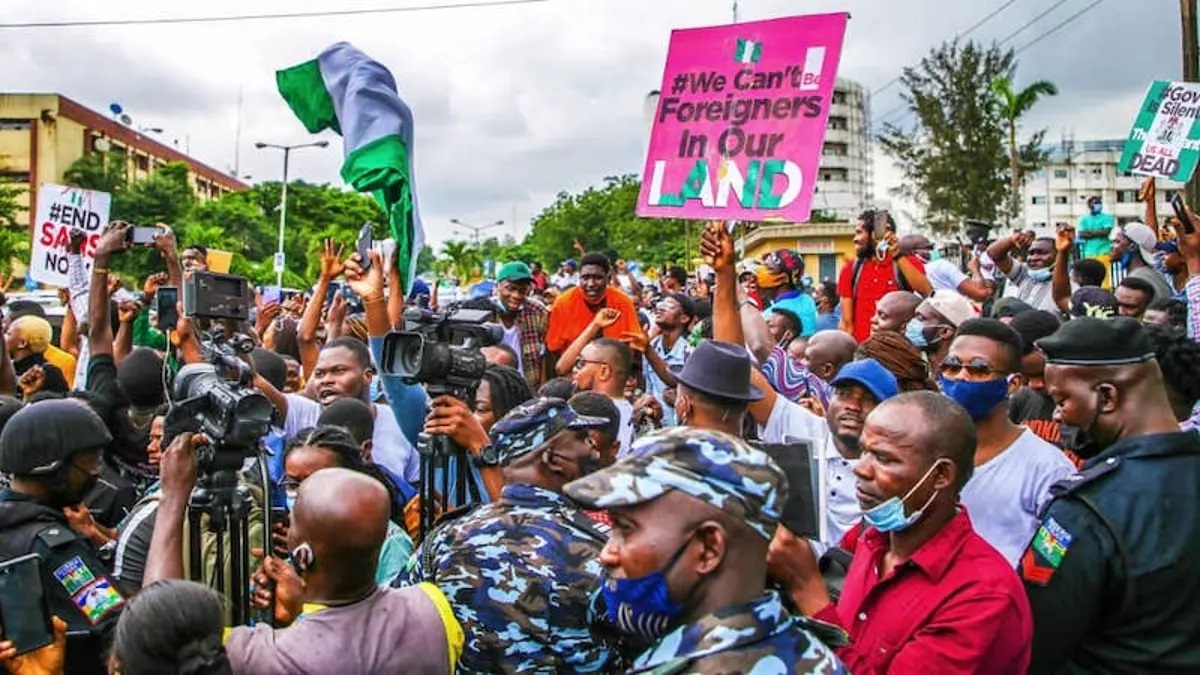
x=262 y=17
x=963 y=34
x=1034 y=20
x=1057 y=27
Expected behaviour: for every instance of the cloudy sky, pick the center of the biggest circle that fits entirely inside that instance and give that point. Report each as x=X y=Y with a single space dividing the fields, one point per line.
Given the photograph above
x=515 y=103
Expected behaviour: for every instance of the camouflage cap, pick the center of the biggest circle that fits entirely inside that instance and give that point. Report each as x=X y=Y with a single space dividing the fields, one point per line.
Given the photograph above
x=531 y=425
x=711 y=466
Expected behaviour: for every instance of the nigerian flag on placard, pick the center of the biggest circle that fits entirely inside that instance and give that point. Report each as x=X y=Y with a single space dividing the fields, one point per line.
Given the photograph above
x=347 y=91
x=748 y=51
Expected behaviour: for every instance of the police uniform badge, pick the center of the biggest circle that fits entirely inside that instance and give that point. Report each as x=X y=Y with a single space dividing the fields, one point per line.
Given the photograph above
x=1046 y=552
x=94 y=596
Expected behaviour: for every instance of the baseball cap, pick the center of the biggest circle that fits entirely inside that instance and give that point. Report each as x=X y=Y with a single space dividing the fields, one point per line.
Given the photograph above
x=871 y=375
x=1094 y=302
x=712 y=466
x=531 y=425
x=1140 y=234
x=514 y=271
x=951 y=305
x=768 y=279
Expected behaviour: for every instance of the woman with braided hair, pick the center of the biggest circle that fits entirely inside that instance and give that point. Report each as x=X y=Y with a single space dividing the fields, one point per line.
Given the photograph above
x=171 y=626
x=327 y=447
x=898 y=355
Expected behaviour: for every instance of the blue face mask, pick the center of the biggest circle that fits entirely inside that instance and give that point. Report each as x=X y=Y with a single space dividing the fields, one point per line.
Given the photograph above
x=289 y=496
x=1096 y=209
x=915 y=332
x=889 y=516
x=977 y=398
x=1043 y=274
x=642 y=607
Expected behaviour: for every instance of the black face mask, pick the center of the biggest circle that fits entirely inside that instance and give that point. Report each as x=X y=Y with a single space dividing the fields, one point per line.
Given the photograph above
x=1079 y=440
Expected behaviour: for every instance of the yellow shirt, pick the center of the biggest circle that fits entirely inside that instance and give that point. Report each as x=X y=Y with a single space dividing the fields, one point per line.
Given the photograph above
x=64 y=361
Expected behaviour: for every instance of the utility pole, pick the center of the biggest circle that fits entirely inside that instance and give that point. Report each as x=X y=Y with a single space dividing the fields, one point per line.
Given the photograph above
x=1191 y=73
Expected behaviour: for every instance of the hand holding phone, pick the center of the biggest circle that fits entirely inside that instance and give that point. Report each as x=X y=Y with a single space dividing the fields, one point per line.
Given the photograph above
x=24 y=612
x=1185 y=222
x=141 y=236
x=365 y=241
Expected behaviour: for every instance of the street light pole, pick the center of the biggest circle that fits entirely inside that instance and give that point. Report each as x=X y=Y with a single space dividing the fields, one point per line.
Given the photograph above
x=1191 y=73
x=476 y=229
x=287 y=151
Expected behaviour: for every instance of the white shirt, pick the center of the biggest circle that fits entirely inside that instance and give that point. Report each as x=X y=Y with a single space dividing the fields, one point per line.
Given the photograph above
x=625 y=434
x=512 y=338
x=837 y=500
x=389 y=447
x=944 y=275
x=1005 y=493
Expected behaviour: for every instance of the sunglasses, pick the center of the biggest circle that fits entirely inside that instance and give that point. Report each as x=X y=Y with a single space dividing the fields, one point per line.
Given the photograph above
x=581 y=362
x=976 y=368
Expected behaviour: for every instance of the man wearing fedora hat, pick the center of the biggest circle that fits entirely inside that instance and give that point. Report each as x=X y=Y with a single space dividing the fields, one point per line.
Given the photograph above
x=714 y=387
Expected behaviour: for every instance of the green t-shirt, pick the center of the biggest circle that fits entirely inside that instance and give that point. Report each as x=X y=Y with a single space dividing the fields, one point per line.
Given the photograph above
x=1103 y=222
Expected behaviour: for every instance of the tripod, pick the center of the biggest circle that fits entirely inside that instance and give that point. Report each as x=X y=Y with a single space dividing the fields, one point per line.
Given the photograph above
x=220 y=496
x=440 y=458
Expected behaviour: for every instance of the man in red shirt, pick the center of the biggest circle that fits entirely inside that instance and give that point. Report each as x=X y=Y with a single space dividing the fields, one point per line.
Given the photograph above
x=874 y=273
x=574 y=310
x=924 y=593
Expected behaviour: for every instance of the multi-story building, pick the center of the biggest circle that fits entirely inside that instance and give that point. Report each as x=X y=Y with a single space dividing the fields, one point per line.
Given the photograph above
x=41 y=135
x=845 y=179
x=1078 y=170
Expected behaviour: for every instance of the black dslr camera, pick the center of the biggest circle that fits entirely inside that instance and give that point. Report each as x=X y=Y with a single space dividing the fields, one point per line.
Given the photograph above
x=441 y=349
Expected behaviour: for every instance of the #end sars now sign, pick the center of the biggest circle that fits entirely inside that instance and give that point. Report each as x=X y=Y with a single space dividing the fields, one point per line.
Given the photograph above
x=741 y=120
x=61 y=209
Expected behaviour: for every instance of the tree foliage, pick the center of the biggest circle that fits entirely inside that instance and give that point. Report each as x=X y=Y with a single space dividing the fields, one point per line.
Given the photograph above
x=954 y=157
x=14 y=236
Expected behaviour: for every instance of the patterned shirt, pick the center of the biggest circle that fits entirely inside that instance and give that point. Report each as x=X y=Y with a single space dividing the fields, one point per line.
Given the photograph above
x=674 y=357
x=792 y=380
x=1192 y=290
x=519 y=573
x=757 y=637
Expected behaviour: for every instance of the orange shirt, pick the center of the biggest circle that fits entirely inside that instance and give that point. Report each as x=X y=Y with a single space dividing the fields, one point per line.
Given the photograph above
x=570 y=315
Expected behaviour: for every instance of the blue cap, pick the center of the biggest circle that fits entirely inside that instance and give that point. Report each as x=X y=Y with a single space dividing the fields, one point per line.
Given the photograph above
x=870 y=374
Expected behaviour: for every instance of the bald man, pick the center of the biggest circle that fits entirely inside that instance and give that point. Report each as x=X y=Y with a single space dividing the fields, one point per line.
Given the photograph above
x=337 y=528
x=827 y=352
x=944 y=274
x=894 y=311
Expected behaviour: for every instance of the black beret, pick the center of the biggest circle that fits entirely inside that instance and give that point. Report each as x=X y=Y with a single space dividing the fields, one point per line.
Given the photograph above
x=42 y=435
x=1097 y=342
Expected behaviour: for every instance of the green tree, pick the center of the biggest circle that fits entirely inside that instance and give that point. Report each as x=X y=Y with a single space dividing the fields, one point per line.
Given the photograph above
x=462 y=259
x=953 y=157
x=103 y=171
x=10 y=206
x=1023 y=159
x=14 y=236
x=603 y=219
x=425 y=259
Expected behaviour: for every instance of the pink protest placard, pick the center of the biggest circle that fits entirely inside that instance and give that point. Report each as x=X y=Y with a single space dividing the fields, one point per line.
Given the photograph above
x=741 y=120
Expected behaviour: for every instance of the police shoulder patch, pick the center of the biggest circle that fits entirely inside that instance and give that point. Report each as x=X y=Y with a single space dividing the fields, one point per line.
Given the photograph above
x=1045 y=554
x=97 y=600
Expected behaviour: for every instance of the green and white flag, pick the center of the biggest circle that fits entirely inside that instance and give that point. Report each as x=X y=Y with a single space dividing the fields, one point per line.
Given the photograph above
x=748 y=51
x=347 y=91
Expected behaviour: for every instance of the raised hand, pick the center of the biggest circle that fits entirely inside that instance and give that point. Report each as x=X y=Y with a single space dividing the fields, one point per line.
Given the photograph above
x=606 y=317
x=331 y=260
x=1064 y=239
x=367 y=284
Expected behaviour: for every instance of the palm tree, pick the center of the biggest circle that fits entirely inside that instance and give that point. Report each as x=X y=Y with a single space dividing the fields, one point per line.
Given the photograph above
x=462 y=258
x=1013 y=105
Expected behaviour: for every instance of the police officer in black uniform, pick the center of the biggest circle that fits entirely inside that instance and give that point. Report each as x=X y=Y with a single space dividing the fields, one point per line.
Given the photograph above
x=52 y=449
x=1112 y=570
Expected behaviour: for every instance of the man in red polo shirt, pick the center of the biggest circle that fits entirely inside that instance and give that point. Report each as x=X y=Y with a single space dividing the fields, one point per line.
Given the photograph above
x=875 y=272
x=924 y=593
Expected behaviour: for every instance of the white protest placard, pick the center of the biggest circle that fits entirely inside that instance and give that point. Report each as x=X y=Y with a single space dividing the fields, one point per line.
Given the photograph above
x=60 y=209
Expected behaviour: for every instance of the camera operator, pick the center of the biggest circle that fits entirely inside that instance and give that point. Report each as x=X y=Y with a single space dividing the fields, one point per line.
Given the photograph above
x=53 y=449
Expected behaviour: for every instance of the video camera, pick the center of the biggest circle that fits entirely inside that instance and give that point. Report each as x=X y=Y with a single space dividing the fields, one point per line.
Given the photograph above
x=441 y=349
x=209 y=295
x=216 y=399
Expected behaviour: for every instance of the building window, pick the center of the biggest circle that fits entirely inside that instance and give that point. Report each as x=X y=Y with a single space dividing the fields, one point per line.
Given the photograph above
x=143 y=162
x=1126 y=196
x=1039 y=199
x=838 y=123
x=1060 y=199
x=1060 y=173
x=1097 y=171
x=833 y=174
x=14 y=176
x=14 y=125
x=836 y=150
x=839 y=97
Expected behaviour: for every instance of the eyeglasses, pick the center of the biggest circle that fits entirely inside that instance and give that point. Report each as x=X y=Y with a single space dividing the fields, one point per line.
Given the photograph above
x=976 y=368
x=581 y=362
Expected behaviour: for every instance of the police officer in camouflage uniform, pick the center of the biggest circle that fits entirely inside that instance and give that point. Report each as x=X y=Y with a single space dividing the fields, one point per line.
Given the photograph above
x=52 y=451
x=1111 y=572
x=693 y=512
x=519 y=572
